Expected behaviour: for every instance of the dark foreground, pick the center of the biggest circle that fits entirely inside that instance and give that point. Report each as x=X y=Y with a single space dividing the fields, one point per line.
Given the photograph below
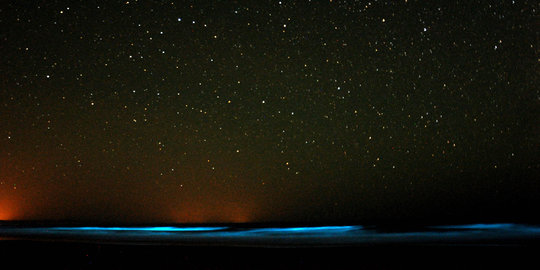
x=477 y=246
x=67 y=255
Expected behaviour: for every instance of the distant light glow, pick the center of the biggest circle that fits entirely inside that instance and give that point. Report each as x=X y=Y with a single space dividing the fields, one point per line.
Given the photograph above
x=153 y=229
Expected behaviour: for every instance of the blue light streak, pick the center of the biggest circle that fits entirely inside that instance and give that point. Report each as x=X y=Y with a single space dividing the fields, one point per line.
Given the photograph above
x=142 y=229
x=321 y=229
x=480 y=226
x=287 y=230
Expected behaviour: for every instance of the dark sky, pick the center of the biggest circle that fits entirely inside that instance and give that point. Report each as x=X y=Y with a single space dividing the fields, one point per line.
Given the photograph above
x=304 y=111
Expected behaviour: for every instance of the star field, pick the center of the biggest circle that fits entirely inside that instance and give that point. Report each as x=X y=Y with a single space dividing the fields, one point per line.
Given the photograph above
x=267 y=111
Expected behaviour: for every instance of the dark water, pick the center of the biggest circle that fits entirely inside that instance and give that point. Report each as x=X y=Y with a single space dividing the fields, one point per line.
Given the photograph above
x=478 y=246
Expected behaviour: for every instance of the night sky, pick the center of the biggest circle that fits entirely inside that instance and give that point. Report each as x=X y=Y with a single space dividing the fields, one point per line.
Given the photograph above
x=259 y=111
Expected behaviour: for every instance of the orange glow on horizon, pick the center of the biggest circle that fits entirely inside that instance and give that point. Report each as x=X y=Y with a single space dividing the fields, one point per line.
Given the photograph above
x=7 y=210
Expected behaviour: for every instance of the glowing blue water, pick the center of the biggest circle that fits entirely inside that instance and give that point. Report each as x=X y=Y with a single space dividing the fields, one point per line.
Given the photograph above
x=141 y=229
x=500 y=234
x=319 y=230
x=479 y=226
x=288 y=230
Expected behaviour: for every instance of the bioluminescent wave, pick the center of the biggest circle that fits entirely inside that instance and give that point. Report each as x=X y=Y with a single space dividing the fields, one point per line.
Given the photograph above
x=317 y=230
x=494 y=226
x=489 y=234
x=142 y=229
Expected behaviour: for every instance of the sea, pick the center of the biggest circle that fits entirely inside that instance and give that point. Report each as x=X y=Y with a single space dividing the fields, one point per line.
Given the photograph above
x=269 y=246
